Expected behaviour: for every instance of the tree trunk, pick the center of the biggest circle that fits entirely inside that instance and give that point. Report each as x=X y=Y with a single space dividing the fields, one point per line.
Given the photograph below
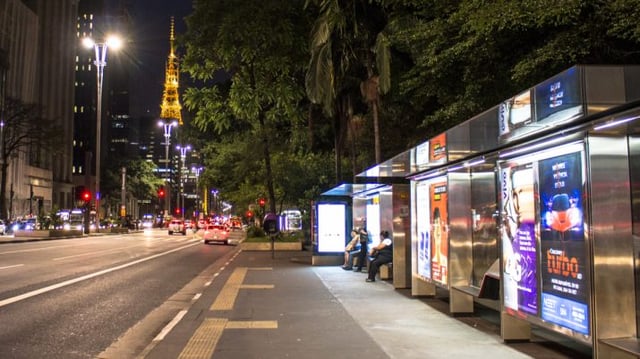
x=376 y=131
x=3 y=191
x=267 y=164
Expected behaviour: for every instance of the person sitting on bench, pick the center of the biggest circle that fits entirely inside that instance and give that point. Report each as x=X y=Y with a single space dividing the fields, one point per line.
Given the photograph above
x=382 y=254
x=352 y=248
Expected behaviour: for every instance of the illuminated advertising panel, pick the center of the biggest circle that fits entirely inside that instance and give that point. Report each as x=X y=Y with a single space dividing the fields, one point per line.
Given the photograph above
x=373 y=220
x=422 y=215
x=518 y=238
x=564 y=282
x=543 y=237
x=558 y=99
x=514 y=113
x=331 y=231
x=439 y=232
x=438 y=149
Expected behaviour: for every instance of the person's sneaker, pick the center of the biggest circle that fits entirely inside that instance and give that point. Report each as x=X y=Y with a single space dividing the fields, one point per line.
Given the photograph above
x=358 y=270
x=347 y=268
x=370 y=280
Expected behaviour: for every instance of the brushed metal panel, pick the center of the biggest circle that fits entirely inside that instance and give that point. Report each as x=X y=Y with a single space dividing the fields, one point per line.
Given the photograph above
x=613 y=304
x=484 y=207
x=401 y=237
x=460 y=244
x=604 y=87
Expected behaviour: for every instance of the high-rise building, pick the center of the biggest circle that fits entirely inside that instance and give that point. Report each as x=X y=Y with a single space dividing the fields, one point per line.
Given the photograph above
x=36 y=37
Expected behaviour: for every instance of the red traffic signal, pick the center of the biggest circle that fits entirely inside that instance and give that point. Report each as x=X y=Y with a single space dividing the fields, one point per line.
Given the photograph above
x=177 y=210
x=261 y=202
x=249 y=214
x=161 y=192
x=86 y=196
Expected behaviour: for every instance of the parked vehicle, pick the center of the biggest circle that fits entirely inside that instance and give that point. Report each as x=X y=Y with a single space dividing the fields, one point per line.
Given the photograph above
x=177 y=225
x=216 y=234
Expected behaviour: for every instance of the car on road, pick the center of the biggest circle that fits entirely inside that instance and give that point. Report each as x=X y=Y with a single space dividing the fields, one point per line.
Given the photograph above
x=215 y=233
x=177 y=225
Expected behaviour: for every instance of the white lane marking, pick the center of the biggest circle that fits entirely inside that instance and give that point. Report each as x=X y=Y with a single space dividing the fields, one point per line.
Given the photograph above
x=13 y=266
x=170 y=326
x=36 y=292
x=98 y=252
x=45 y=248
x=196 y=297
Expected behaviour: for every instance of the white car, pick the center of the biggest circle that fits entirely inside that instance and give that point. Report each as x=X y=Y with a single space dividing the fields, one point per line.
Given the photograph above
x=215 y=233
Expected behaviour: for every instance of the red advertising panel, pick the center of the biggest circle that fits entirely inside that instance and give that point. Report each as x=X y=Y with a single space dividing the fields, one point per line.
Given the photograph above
x=438 y=149
x=439 y=232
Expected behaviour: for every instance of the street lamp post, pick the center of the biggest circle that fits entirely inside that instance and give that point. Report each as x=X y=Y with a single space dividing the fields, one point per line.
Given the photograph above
x=197 y=171
x=100 y=62
x=183 y=157
x=167 y=126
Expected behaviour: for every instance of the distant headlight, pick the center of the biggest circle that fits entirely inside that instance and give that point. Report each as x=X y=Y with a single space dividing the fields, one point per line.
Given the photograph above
x=66 y=227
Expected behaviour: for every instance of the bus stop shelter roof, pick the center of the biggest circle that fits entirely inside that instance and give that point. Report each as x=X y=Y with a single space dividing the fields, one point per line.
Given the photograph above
x=392 y=171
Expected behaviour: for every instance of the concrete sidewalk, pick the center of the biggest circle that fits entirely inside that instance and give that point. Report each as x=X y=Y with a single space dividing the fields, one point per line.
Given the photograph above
x=286 y=308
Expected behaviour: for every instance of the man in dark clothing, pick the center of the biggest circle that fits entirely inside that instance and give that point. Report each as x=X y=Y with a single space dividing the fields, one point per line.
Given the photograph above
x=382 y=253
x=362 y=255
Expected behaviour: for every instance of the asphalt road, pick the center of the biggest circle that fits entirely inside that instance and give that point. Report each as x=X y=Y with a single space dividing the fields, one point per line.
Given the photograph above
x=74 y=298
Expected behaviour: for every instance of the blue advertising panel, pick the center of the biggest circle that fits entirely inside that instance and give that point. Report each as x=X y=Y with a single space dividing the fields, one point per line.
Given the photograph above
x=559 y=98
x=564 y=281
x=543 y=237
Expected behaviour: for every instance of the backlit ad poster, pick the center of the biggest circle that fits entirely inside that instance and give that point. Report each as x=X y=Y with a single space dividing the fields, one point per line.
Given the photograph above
x=438 y=149
x=519 y=247
x=439 y=232
x=423 y=220
x=563 y=259
x=558 y=99
x=514 y=113
x=331 y=231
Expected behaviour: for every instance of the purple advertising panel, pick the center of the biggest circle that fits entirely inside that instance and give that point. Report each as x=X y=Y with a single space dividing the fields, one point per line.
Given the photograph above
x=563 y=249
x=519 y=248
x=423 y=220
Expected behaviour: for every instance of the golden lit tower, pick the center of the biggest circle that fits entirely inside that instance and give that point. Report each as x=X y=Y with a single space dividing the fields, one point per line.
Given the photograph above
x=170 y=107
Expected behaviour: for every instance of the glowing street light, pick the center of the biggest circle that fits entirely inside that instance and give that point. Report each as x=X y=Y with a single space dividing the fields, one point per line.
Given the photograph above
x=183 y=157
x=100 y=48
x=167 y=126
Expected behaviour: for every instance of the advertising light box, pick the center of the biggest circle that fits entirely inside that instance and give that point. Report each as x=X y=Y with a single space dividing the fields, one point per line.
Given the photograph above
x=559 y=99
x=431 y=228
x=515 y=113
x=331 y=229
x=542 y=224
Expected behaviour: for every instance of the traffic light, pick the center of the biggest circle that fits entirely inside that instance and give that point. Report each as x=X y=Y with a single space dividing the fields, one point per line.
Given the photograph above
x=249 y=214
x=177 y=210
x=261 y=202
x=86 y=196
x=83 y=194
x=161 y=192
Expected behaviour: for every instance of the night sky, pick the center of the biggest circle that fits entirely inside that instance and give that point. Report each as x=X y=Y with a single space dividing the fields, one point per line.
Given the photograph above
x=149 y=48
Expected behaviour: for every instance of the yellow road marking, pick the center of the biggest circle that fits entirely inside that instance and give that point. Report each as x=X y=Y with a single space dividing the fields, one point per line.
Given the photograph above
x=227 y=296
x=260 y=324
x=260 y=268
x=203 y=342
x=257 y=286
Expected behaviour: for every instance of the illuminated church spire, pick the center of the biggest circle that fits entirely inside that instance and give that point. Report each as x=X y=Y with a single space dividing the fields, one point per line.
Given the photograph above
x=170 y=107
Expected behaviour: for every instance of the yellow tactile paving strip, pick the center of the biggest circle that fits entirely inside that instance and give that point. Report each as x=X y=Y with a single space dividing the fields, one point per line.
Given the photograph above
x=203 y=342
